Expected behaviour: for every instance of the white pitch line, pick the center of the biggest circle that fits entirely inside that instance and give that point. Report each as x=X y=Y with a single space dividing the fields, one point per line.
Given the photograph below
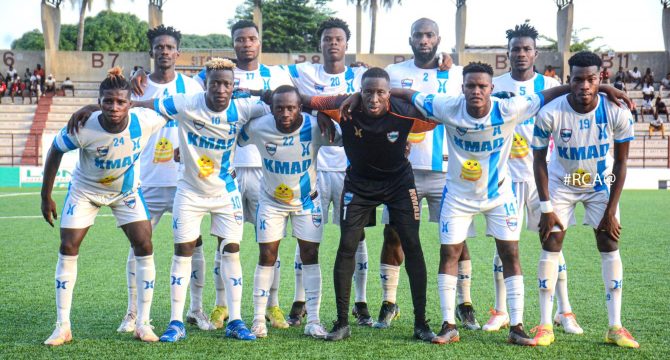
x=27 y=193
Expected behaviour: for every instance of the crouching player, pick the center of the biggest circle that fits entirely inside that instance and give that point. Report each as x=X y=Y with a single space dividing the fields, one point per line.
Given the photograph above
x=107 y=174
x=288 y=141
x=587 y=125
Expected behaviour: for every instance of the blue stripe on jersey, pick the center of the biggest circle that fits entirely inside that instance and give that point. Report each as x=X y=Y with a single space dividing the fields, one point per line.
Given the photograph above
x=264 y=71
x=443 y=75
x=349 y=74
x=68 y=143
x=169 y=106
x=306 y=130
x=67 y=196
x=601 y=114
x=428 y=104
x=293 y=71
x=181 y=88
x=135 y=129
x=601 y=166
x=243 y=135
x=224 y=174
x=438 y=148
x=231 y=114
x=540 y=133
x=55 y=145
x=496 y=118
x=144 y=203
x=538 y=83
x=128 y=179
x=493 y=175
x=624 y=140
x=305 y=189
x=203 y=75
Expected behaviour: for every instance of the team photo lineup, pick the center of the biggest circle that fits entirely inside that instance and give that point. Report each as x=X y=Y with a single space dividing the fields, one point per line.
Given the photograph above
x=243 y=142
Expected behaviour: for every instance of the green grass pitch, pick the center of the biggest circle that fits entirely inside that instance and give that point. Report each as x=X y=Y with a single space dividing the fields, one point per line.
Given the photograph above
x=29 y=248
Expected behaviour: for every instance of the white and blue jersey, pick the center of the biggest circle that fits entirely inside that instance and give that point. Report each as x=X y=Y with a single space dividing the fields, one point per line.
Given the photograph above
x=428 y=149
x=582 y=141
x=208 y=139
x=479 y=147
x=312 y=79
x=108 y=163
x=289 y=159
x=521 y=156
x=158 y=167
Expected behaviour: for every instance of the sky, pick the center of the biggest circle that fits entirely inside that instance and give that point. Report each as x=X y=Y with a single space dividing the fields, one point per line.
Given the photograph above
x=624 y=25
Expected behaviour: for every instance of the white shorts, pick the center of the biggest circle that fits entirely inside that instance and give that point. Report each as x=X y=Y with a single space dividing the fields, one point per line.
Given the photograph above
x=159 y=201
x=272 y=219
x=330 y=185
x=564 y=199
x=81 y=207
x=249 y=179
x=429 y=186
x=502 y=219
x=189 y=209
x=527 y=202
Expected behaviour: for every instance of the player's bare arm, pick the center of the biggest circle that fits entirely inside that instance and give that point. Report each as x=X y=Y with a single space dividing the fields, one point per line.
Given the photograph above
x=609 y=224
x=51 y=165
x=548 y=219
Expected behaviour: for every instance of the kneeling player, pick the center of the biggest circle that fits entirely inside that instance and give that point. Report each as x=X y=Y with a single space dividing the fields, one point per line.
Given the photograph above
x=107 y=174
x=586 y=124
x=288 y=142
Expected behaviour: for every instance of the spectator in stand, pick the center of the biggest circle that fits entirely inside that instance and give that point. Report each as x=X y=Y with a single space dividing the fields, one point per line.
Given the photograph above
x=50 y=84
x=605 y=76
x=10 y=75
x=665 y=84
x=648 y=76
x=67 y=84
x=648 y=90
x=3 y=89
x=656 y=125
x=550 y=71
x=661 y=108
x=34 y=89
x=39 y=72
x=621 y=73
x=17 y=88
x=635 y=77
x=619 y=83
x=26 y=78
x=647 y=98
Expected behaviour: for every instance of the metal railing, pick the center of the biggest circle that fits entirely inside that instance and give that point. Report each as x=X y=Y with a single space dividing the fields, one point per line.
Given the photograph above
x=18 y=147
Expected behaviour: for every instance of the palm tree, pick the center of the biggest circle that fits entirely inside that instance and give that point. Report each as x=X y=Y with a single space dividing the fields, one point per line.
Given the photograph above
x=373 y=6
x=83 y=6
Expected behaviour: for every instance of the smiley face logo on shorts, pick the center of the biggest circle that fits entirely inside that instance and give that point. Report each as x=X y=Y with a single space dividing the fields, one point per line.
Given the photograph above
x=206 y=166
x=471 y=170
x=283 y=193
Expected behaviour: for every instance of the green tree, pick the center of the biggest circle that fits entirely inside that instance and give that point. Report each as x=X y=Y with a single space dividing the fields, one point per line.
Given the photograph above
x=577 y=44
x=288 y=25
x=110 y=31
x=32 y=40
x=211 y=41
x=373 y=6
x=85 y=5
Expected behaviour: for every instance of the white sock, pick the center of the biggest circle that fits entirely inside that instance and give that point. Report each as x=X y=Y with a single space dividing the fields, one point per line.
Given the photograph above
x=312 y=282
x=232 y=273
x=299 y=294
x=146 y=276
x=499 y=284
x=179 y=279
x=515 y=294
x=464 y=281
x=66 y=277
x=446 y=286
x=130 y=281
x=274 y=289
x=262 y=283
x=219 y=284
x=612 y=271
x=389 y=276
x=361 y=272
x=197 y=278
x=562 y=301
x=547 y=273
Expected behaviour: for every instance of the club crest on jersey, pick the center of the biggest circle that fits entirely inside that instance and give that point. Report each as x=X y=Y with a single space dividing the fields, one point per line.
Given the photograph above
x=392 y=136
x=512 y=223
x=461 y=130
x=566 y=134
x=198 y=124
x=316 y=219
x=347 y=198
x=406 y=83
x=130 y=202
x=318 y=87
x=103 y=150
x=271 y=148
x=239 y=218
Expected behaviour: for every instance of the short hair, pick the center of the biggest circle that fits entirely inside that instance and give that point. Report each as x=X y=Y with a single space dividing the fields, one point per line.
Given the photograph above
x=376 y=72
x=241 y=25
x=160 y=30
x=333 y=23
x=219 y=64
x=523 y=30
x=285 y=89
x=585 y=59
x=477 y=67
x=114 y=81
x=426 y=20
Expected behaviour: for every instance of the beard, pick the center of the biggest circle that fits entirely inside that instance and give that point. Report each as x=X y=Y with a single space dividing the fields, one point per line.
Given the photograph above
x=424 y=57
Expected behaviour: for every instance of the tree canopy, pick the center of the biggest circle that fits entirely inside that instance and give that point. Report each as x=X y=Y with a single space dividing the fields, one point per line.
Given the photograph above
x=211 y=41
x=288 y=25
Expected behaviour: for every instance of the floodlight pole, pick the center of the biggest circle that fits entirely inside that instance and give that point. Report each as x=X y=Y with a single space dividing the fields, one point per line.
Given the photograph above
x=461 y=17
x=666 y=30
x=156 y=12
x=50 y=10
x=564 y=18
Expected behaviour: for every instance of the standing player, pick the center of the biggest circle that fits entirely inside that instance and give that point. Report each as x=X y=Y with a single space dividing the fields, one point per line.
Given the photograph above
x=522 y=80
x=109 y=146
x=428 y=156
x=209 y=124
x=159 y=171
x=288 y=141
x=375 y=141
x=584 y=125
